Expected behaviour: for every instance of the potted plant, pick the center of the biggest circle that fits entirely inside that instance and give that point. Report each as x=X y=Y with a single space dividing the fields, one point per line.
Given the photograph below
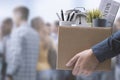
x=95 y=17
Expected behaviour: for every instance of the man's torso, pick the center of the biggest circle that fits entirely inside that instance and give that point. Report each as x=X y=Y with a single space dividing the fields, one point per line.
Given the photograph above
x=30 y=51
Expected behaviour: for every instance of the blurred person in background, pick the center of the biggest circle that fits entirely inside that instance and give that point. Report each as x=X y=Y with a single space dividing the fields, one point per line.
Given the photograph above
x=117 y=25
x=37 y=23
x=6 y=29
x=54 y=33
x=24 y=48
x=49 y=28
x=47 y=48
x=117 y=67
x=47 y=58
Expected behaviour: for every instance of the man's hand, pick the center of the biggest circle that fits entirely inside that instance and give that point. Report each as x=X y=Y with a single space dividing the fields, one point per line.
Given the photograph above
x=84 y=63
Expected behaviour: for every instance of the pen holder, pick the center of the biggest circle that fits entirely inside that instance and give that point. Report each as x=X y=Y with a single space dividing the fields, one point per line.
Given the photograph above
x=66 y=23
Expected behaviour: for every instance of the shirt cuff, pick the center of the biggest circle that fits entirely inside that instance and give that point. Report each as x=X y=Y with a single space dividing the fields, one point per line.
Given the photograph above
x=103 y=51
x=97 y=53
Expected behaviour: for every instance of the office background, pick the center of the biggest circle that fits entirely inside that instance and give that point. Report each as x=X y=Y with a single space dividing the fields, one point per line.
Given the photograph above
x=45 y=8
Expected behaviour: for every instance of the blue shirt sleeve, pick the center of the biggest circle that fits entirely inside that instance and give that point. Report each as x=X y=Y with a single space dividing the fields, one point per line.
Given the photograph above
x=108 y=48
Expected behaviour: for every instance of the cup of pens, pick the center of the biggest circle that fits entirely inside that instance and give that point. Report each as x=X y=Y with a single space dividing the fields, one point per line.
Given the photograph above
x=66 y=20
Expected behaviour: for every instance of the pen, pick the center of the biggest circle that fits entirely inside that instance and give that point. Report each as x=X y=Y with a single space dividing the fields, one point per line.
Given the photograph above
x=79 y=20
x=62 y=15
x=58 y=16
x=68 y=16
x=72 y=16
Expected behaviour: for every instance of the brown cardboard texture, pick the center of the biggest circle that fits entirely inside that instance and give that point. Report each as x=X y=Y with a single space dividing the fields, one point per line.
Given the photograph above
x=73 y=40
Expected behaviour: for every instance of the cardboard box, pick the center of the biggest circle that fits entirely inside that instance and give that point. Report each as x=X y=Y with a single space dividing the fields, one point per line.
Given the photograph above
x=73 y=40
